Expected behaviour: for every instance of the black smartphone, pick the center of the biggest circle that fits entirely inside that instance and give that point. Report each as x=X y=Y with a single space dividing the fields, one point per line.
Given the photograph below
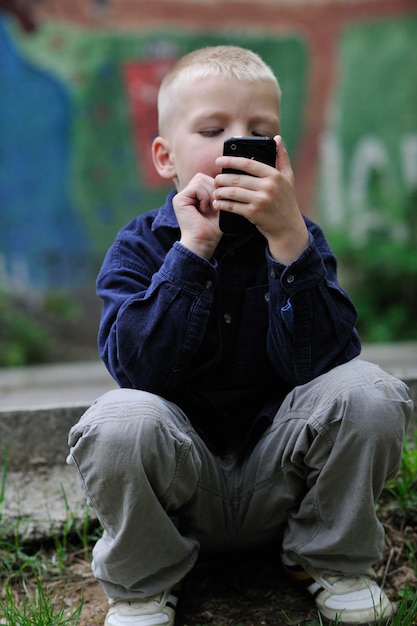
x=262 y=149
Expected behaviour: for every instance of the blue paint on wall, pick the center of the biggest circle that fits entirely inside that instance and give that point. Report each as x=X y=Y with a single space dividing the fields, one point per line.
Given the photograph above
x=42 y=243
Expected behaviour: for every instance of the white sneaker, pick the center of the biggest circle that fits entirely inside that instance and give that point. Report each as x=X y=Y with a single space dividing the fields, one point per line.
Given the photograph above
x=158 y=610
x=344 y=599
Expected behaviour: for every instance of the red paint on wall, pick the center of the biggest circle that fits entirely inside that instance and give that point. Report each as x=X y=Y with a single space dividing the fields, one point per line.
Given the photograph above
x=142 y=80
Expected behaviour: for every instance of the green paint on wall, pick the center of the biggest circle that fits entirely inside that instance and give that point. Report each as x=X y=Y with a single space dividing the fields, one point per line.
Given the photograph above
x=369 y=165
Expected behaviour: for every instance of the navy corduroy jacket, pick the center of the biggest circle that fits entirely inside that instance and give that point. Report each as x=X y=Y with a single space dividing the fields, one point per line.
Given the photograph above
x=224 y=339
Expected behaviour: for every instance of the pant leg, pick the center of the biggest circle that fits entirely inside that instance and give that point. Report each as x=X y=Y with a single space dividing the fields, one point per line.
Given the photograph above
x=160 y=494
x=156 y=488
x=323 y=463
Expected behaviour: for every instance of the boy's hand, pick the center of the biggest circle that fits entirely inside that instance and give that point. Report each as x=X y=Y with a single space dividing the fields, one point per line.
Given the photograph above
x=267 y=199
x=198 y=222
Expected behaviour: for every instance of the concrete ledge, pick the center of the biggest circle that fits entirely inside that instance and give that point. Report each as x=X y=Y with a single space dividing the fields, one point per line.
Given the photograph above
x=38 y=406
x=41 y=490
x=53 y=385
x=38 y=501
x=37 y=436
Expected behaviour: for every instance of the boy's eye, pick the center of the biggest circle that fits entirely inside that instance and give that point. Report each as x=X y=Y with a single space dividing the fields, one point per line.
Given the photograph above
x=258 y=134
x=211 y=132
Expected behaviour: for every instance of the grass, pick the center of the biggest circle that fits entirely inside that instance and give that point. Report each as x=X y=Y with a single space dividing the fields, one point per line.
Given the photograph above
x=403 y=488
x=31 y=576
x=37 y=608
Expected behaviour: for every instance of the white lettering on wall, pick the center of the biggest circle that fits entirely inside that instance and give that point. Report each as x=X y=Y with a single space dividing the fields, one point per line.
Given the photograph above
x=346 y=188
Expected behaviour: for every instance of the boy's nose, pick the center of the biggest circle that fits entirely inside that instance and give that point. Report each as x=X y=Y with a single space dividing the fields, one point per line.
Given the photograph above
x=239 y=130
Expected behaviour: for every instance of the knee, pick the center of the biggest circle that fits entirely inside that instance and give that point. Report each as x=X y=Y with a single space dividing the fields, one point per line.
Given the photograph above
x=374 y=398
x=127 y=430
x=119 y=424
x=367 y=408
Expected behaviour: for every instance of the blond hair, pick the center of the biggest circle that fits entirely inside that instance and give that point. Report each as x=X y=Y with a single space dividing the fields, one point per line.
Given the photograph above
x=230 y=62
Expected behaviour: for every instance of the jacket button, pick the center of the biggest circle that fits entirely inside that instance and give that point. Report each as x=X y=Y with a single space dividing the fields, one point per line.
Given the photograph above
x=227 y=318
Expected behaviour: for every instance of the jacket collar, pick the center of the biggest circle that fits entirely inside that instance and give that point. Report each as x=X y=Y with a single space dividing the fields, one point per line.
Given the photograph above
x=165 y=216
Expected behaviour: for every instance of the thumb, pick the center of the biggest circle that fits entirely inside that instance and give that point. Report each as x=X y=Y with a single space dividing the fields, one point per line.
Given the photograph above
x=283 y=163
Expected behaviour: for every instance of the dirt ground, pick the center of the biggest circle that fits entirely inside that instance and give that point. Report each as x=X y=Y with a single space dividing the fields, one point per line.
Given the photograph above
x=251 y=589
x=247 y=591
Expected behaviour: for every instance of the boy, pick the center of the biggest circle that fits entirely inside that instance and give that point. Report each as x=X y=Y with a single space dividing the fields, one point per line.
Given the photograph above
x=241 y=414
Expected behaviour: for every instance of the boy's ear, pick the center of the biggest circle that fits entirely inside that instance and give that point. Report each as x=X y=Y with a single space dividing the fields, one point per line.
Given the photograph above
x=163 y=161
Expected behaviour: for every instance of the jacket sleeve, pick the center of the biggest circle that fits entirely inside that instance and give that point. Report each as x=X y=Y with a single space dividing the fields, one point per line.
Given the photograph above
x=153 y=318
x=312 y=320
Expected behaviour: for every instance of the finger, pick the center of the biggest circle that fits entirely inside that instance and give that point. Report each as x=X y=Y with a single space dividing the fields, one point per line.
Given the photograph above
x=240 y=166
x=229 y=184
x=238 y=195
x=198 y=192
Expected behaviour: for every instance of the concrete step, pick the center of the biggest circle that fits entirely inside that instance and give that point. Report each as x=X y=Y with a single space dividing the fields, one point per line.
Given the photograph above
x=38 y=406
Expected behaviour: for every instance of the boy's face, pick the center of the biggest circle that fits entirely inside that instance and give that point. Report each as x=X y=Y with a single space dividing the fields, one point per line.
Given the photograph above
x=211 y=110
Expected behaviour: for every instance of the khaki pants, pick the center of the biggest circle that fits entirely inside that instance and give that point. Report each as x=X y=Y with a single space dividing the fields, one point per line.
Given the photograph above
x=314 y=475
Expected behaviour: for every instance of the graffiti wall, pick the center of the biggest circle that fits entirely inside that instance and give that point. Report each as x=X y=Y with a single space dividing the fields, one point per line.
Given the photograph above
x=78 y=115
x=368 y=157
x=76 y=130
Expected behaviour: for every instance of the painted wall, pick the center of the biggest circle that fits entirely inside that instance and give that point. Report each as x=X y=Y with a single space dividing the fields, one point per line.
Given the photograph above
x=77 y=116
x=368 y=161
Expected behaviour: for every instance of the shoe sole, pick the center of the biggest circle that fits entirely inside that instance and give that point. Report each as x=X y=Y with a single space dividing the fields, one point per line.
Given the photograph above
x=339 y=622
